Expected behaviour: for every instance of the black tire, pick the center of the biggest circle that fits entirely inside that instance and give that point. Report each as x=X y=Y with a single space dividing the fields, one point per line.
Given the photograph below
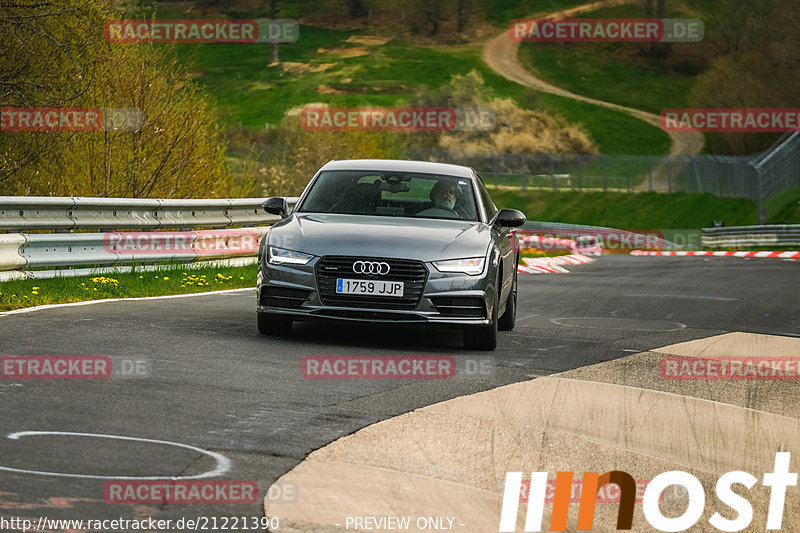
x=273 y=325
x=484 y=337
x=509 y=318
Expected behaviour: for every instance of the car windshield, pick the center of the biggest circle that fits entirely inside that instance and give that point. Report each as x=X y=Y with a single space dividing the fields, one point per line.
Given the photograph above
x=395 y=194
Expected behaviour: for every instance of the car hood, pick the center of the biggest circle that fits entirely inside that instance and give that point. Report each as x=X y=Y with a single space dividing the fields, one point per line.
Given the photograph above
x=380 y=236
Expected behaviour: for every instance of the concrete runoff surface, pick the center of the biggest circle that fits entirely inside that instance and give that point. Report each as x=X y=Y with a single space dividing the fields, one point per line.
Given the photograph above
x=450 y=459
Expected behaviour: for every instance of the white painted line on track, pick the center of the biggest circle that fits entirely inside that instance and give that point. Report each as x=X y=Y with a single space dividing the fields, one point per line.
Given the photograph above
x=137 y=299
x=560 y=322
x=683 y=296
x=223 y=463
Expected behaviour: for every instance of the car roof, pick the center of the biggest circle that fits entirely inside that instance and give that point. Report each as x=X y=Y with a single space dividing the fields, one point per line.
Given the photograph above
x=400 y=165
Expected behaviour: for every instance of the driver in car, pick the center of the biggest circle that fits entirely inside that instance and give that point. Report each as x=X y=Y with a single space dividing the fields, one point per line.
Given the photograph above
x=443 y=195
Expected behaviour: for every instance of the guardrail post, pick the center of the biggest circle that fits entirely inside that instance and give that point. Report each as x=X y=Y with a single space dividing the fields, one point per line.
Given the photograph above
x=760 y=214
x=628 y=174
x=669 y=178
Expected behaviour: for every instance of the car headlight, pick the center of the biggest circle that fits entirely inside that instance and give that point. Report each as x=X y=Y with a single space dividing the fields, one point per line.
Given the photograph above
x=470 y=265
x=280 y=256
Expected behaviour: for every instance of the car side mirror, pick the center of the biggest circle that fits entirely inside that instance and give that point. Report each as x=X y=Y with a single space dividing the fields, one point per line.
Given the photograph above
x=277 y=206
x=510 y=218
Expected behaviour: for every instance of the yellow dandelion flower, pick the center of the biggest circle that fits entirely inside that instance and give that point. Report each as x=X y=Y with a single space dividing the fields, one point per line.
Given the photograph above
x=34 y=292
x=166 y=278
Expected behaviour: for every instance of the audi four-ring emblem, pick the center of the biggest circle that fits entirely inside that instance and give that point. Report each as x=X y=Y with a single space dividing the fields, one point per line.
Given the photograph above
x=371 y=267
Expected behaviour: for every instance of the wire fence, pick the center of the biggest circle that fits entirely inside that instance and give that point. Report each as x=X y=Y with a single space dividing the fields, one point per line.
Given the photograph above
x=719 y=175
x=771 y=179
x=779 y=175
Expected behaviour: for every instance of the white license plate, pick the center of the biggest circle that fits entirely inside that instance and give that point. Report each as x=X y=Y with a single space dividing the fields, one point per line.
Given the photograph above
x=369 y=287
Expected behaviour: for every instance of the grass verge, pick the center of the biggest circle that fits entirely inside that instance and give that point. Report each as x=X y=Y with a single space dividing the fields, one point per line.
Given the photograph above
x=177 y=279
x=317 y=69
x=538 y=254
x=629 y=211
x=620 y=73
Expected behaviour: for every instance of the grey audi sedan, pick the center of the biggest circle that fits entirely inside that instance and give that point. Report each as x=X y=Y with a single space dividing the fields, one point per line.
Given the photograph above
x=387 y=241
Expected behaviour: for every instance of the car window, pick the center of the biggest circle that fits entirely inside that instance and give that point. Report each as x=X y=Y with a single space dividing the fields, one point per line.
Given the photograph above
x=488 y=204
x=392 y=194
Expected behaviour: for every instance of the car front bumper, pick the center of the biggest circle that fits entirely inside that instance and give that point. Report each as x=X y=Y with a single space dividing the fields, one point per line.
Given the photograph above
x=439 y=303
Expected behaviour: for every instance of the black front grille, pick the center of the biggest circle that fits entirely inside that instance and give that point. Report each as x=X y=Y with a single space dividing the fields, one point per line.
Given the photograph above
x=283 y=297
x=413 y=274
x=369 y=315
x=466 y=306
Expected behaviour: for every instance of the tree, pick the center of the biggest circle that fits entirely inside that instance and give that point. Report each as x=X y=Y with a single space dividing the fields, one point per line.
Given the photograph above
x=298 y=153
x=516 y=130
x=762 y=73
x=431 y=10
x=464 y=9
x=42 y=63
x=273 y=47
x=54 y=55
x=357 y=8
x=735 y=25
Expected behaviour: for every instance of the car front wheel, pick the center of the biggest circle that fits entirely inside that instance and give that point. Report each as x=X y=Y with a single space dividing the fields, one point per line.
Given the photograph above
x=484 y=337
x=274 y=325
x=509 y=318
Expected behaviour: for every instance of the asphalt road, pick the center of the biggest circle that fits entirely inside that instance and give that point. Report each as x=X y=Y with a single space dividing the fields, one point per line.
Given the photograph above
x=217 y=385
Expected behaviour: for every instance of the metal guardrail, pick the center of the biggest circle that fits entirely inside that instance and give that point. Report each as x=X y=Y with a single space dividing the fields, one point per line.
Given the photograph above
x=21 y=213
x=746 y=236
x=608 y=236
x=123 y=221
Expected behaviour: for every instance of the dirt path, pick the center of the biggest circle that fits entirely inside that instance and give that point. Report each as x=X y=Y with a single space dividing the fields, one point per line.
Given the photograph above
x=501 y=54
